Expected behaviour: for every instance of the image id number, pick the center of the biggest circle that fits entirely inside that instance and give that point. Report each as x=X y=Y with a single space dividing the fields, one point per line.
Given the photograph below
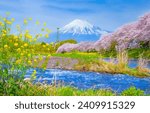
x=106 y=105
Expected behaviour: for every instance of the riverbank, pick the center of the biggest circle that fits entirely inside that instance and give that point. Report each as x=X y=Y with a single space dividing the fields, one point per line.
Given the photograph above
x=95 y=64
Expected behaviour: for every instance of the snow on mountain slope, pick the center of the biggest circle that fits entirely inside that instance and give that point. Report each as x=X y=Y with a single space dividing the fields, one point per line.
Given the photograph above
x=82 y=27
x=79 y=30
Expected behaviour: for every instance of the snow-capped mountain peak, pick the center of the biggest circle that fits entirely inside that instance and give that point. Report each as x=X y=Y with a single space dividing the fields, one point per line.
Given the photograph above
x=78 y=26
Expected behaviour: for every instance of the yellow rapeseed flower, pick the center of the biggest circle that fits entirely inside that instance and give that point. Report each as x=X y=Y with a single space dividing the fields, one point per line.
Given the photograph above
x=34 y=71
x=4 y=31
x=28 y=36
x=40 y=35
x=18 y=50
x=3 y=35
x=44 y=23
x=49 y=55
x=44 y=46
x=35 y=39
x=5 y=46
x=4 y=19
x=32 y=50
x=29 y=55
x=16 y=40
x=12 y=19
x=25 y=21
x=33 y=74
x=20 y=35
x=8 y=22
x=22 y=54
x=30 y=40
x=18 y=61
x=48 y=30
x=25 y=45
x=1 y=23
x=37 y=22
x=40 y=58
x=46 y=35
x=15 y=37
x=35 y=60
x=26 y=31
x=30 y=18
x=29 y=62
x=15 y=44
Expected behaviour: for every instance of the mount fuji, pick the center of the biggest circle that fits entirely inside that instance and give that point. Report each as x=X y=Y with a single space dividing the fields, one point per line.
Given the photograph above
x=81 y=27
x=80 y=30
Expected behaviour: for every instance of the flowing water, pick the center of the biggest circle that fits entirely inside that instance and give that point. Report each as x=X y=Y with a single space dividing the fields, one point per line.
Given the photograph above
x=87 y=80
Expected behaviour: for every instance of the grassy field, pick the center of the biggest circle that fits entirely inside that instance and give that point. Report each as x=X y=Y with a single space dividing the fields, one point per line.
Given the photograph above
x=87 y=57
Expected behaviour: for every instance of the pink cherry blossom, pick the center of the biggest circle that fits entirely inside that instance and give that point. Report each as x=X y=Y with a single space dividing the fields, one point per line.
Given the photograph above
x=127 y=36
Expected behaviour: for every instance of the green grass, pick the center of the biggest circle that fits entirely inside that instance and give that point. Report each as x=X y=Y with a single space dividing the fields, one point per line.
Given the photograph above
x=132 y=91
x=132 y=53
x=28 y=89
x=79 y=55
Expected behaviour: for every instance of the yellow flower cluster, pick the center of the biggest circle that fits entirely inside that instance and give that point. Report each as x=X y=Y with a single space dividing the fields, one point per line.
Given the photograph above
x=19 y=46
x=29 y=62
x=1 y=24
x=25 y=45
x=28 y=36
x=15 y=44
x=18 y=50
x=18 y=61
x=9 y=22
x=46 y=35
x=25 y=21
x=34 y=74
x=6 y=46
x=4 y=31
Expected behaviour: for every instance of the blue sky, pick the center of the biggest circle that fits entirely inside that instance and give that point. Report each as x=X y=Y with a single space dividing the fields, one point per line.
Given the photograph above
x=107 y=14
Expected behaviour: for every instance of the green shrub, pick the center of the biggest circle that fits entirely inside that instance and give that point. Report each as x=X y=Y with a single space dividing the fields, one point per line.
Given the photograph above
x=132 y=91
x=65 y=91
x=58 y=44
